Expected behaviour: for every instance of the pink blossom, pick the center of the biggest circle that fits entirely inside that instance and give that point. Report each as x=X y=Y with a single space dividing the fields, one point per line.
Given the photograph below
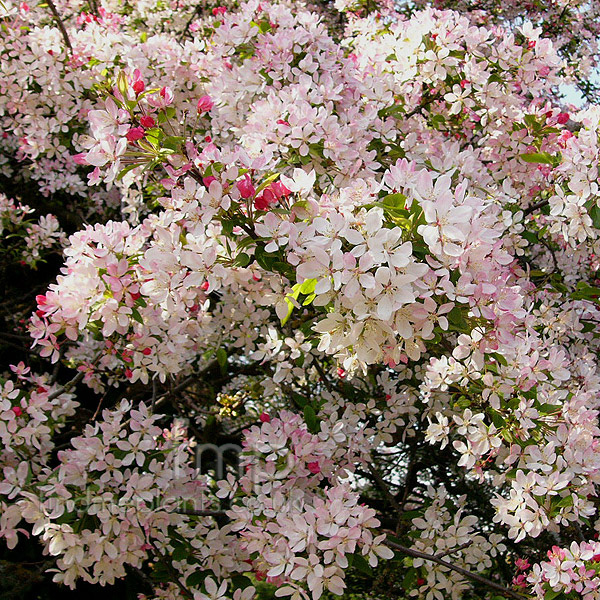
x=205 y=104
x=245 y=187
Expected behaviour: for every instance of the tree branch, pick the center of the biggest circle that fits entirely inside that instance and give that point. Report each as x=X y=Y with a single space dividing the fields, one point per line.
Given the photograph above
x=60 y=25
x=74 y=381
x=202 y=513
x=535 y=206
x=508 y=593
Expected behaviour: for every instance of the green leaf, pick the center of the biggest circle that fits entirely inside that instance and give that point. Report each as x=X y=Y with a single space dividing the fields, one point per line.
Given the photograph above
x=531 y=237
x=180 y=552
x=594 y=212
x=552 y=594
x=268 y=181
x=309 y=299
x=126 y=170
x=308 y=287
x=136 y=315
x=310 y=417
x=362 y=565
x=497 y=418
x=395 y=201
x=289 y=312
x=539 y=157
x=196 y=579
x=240 y=582
x=586 y=292
x=410 y=579
x=222 y=359
x=242 y=260
x=173 y=142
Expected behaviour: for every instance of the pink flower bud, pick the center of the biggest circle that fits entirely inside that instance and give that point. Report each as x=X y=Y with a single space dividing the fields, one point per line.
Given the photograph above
x=208 y=180
x=270 y=196
x=205 y=104
x=247 y=190
x=314 y=467
x=220 y=10
x=17 y=410
x=135 y=134
x=166 y=93
x=147 y=121
x=522 y=564
x=80 y=159
x=279 y=189
x=260 y=203
x=562 y=118
x=138 y=87
x=265 y=418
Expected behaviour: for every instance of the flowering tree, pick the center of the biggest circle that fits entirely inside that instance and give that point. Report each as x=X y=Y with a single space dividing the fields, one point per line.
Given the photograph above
x=325 y=317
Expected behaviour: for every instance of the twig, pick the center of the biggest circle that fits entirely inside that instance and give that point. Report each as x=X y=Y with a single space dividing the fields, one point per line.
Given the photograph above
x=153 y=395
x=508 y=593
x=323 y=375
x=165 y=561
x=384 y=487
x=535 y=206
x=188 y=24
x=453 y=550
x=98 y=407
x=60 y=24
x=185 y=383
x=202 y=513
x=70 y=384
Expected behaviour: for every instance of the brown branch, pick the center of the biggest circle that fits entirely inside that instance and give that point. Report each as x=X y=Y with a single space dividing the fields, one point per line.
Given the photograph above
x=453 y=550
x=169 y=565
x=384 y=487
x=535 y=206
x=60 y=24
x=187 y=381
x=202 y=513
x=508 y=593
x=70 y=384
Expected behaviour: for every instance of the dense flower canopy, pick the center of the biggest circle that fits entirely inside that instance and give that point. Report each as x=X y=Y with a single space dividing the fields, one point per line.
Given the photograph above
x=351 y=250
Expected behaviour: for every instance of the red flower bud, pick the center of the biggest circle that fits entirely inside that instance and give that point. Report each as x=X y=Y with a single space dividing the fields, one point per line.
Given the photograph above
x=260 y=203
x=138 y=87
x=135 y=134
x=147 y=121
x=245 y=187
